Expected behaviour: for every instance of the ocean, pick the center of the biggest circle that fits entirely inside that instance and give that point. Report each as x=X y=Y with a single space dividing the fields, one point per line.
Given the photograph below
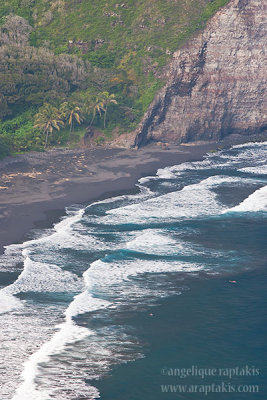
x=160 y=294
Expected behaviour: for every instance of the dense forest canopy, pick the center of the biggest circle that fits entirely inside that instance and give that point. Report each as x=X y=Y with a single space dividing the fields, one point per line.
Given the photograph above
x=80 y=52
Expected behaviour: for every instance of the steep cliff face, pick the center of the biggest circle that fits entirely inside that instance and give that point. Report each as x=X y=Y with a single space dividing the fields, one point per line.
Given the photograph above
x=216 y=82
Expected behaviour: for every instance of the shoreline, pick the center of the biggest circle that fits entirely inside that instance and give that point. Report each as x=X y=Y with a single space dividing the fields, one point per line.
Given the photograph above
x=35 y=188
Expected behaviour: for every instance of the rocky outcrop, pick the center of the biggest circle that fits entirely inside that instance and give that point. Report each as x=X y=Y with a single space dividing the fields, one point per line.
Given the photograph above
x=215 y=83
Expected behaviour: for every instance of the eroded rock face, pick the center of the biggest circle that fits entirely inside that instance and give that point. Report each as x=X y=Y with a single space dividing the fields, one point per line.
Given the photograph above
x=216 y=84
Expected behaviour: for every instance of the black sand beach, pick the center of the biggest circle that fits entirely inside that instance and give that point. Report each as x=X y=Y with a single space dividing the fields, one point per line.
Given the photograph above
x=36 y=187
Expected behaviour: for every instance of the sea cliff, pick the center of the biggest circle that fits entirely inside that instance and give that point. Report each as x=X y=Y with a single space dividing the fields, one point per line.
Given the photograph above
x=215 y=83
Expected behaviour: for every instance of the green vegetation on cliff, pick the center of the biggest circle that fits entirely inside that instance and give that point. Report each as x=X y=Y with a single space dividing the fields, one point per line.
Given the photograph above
x=55 y=52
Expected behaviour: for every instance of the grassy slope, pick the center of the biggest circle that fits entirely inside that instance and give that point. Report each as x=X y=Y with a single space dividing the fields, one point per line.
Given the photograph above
x=138 y=39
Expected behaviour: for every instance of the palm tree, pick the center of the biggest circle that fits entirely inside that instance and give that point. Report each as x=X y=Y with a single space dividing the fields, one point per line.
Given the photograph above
x=71 y=113
x=47 y=119
x=107 y=99
x=98 y=107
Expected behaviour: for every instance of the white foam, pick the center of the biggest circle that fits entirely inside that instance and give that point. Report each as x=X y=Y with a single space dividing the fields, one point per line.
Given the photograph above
x=189 y=166
x=247 y=154
x=41 y=277
x=68 y=333
x=259 y=170
x=257 y=201
x=165 y=173
x=250 y=144
x=62 y=230
x=83 y=303
x=146 y=179
x=37 y=277
x=8 y=302
x=176 y=170
x=67 y=223
x=151 y=241
x=144 y=192
x=11 y=257
x=219 y=160
x=156 y=242
x=218 y=180
x=192 y=201
x=104 y=274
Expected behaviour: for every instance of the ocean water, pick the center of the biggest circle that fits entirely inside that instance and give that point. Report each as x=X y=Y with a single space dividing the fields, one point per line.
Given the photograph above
x=155 y=295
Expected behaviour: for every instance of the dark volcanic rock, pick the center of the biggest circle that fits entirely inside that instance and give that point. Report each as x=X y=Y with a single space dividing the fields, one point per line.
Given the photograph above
x=215 y=83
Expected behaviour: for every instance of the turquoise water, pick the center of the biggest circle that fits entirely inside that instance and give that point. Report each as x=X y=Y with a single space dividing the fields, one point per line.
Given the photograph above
x=123 y=296
x=213 y=325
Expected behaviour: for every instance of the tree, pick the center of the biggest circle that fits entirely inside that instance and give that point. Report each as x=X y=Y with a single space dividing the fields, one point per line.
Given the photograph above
x=107 y=99
x=71 y=113
x=47 y=119
x=98 y=107
x=4 y=147
x=15 y=30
